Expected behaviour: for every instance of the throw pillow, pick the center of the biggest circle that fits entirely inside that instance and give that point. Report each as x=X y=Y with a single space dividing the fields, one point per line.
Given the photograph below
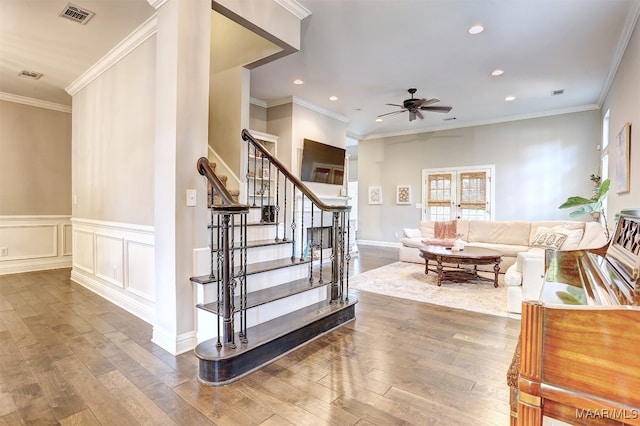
x=411 y=232
x=548 y=238
x=445 y=229
x=445 y=242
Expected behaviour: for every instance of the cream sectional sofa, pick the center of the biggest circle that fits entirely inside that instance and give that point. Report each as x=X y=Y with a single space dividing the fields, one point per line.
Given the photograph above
x=521 y=243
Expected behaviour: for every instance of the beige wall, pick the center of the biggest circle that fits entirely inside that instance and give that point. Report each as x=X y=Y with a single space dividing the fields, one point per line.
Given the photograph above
x=113 y=126
x=538 y=164
x=623 y=103
x=35 y=158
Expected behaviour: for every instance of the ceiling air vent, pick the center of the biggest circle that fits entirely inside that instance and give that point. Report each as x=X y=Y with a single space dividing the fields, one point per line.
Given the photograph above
x=76 y=13
x=30 y=74
x=557 y=92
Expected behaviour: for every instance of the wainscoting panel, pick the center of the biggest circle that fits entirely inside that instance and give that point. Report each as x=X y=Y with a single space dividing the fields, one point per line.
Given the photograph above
x=67 y=239
x=140 y=270
x=124 y=259
x=109 y=255
x=32 y=243
x=83 y=242
x=29 y=241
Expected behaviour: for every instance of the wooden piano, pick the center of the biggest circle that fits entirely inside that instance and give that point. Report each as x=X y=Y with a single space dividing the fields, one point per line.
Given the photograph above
x=579 y=359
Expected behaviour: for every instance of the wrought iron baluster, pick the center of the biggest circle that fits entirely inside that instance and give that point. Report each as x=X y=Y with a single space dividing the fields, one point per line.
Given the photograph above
x=255 y=170
x=334 y=258
x=243 y=231
x=321 y=280
x=218 y=278
x=348 y=255
x=310 y=245
x=293 y=222
x=231 y=286
x=303 y=231
x=341 y=256
x=277 y=205
x=284 y=220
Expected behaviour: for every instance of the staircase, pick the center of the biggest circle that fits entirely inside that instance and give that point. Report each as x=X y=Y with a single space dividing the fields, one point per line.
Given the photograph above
x=267 y=292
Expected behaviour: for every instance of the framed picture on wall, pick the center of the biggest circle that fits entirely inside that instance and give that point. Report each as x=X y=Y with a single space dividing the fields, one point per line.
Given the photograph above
x=403 y=194
x=623 y=143
x=375 y=195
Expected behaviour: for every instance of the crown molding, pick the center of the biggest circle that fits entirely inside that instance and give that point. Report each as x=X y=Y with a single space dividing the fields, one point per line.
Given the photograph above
x=295 y=8
x=157 y=4
x=627 y=31
x=258 y=102
x=308 y=105
x=581 y=108
x=34 y=102
x=126 y=46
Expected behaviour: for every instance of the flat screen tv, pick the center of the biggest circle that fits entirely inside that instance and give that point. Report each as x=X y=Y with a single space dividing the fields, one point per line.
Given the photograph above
x=322 y=163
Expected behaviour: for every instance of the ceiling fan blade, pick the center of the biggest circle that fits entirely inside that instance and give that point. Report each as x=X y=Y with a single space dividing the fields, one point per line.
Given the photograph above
x=419 y=114
x=401 y=106
x=430 y=101
x=444 y=109
x=419 y=102
x=392 y=112
x=412 y=115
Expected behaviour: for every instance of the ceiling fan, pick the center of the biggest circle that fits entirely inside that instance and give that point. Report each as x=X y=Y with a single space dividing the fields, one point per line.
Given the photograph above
x=415 y=105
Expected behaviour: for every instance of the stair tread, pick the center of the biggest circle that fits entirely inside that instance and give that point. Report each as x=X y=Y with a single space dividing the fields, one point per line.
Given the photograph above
x=260 y=297
x=254 y=268
x=270 y=330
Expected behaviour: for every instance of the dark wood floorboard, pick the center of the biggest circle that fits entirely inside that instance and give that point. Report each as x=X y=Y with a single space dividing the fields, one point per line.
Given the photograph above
x=69 y=357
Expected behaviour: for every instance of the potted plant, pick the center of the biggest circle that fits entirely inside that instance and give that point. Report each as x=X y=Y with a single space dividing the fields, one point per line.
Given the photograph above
x=592 y=206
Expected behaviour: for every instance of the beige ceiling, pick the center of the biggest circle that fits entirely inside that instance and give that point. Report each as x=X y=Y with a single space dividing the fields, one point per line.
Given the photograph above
x=368 y=53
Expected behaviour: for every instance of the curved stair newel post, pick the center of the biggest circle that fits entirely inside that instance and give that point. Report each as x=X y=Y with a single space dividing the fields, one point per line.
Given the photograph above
x=222 y=270
x=272 y=300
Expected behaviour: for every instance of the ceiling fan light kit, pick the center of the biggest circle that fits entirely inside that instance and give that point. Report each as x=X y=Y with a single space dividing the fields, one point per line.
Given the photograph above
x=415 y=105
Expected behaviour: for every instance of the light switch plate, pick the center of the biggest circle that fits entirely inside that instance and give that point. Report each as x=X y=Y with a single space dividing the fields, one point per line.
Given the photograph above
x=191 y=197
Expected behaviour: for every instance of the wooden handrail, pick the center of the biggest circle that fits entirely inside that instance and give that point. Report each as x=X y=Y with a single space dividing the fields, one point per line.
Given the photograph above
x=228 y=203
x=294 y=180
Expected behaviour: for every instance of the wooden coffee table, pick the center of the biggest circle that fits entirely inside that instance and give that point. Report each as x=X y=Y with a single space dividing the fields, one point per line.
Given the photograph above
x=472 y=256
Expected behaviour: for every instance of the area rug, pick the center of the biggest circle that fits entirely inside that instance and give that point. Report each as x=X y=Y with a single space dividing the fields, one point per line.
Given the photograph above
x=408 y=281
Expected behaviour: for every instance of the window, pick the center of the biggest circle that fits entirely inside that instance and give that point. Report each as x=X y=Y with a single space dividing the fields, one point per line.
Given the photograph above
x=462 y=193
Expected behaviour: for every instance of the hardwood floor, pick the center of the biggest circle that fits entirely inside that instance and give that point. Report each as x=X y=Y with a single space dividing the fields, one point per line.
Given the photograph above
x=69 y=357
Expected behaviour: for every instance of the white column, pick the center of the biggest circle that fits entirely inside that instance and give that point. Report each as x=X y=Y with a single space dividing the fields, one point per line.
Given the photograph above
x=181 y=133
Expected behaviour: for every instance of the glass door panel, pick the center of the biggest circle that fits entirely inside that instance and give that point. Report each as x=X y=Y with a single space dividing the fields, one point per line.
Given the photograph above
x=462 y=193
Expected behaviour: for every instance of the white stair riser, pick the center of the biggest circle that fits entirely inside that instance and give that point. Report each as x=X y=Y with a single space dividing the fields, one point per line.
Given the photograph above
x=254 y=215
x=262 y=254
x=207 y=321
x=258 y=233
x=206 y=293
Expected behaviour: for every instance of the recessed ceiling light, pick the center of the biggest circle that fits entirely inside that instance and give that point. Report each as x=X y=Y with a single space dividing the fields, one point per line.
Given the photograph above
x=497 y=72
x=333 y=98
x=379 y=120
x=298 y=81
x=510 y=98
x=476 y=29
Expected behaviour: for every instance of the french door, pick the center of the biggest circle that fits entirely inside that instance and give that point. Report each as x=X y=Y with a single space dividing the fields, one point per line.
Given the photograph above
x=458 y=193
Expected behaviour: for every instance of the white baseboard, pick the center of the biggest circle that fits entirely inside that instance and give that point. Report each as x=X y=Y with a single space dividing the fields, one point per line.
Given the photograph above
x=379 y=243
x=142 y=311
x=34 y=265
x=174 y=344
